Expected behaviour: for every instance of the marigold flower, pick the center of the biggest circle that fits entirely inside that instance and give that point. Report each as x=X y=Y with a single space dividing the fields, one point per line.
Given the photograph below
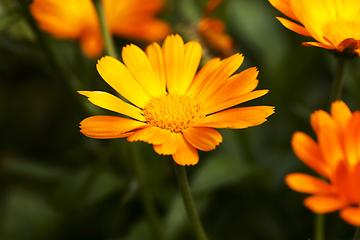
x=171 y=106
x=336 y=156
x=212 y=31
x=333 y=23
x=77 y=19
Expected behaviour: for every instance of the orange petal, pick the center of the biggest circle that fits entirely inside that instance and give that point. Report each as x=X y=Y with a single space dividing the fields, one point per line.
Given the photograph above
x=185 y=154
x=119 y=77
x=202 y=76
x=203 y=138
x=112 y=103
x=351 y=215
x=139 y=65
x=135 y=19
x=309 y=153
x=235 y=101
x=294 y=27
x=105 y=127
x=352 y=139
x=152 y=135
x=324 y=203
x=318 y=44
x=156 y=59
x=232 y=87
x=219 y=76
x=237 y=117
x=341 y=113
x=308 y=184
x=284 y=7
x=92 y=43
x=55 y=17
x=341 y=180
x=169 y=147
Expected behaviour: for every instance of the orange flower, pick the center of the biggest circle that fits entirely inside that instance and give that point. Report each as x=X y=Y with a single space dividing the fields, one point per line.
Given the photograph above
x=77 y=19
x=333 y=23
x=212 y=31
x=336 y=156
x=171 y=106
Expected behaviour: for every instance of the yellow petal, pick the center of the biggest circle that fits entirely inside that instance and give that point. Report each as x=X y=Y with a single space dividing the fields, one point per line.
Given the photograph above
x=152 y=135
x=294 y=27
x=105 y=127
x=192 y=58
x=324 y=203
x=112 y=103
x=185 y=154
x=351 y=215
x=237 y=117
x=203 y=138
x=173 y=50
x=309 y=153
x=156 y=59
x=118 y=77
x=308 y=184
x=169 y=146
x=139 y=66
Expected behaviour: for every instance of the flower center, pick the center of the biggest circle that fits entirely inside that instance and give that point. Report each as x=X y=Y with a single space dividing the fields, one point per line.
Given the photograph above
x=172 y=112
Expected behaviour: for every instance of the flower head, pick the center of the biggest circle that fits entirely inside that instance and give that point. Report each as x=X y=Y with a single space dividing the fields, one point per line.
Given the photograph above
x=334 y=24
x=336 y=156
x=171 y=106
x=77 y=19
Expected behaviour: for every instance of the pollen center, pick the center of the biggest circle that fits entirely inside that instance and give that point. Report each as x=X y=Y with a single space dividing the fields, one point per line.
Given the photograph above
x=173 y=112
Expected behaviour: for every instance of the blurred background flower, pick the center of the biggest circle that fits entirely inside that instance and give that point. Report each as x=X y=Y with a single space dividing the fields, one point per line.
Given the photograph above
x=77 y=19
x=334 y=24
x=336 y=157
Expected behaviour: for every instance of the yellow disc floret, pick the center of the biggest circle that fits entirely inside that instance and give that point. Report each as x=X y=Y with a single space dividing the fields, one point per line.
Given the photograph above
x=173 y=112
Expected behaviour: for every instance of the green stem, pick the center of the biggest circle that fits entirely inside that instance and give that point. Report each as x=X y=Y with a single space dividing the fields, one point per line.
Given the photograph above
x=339 y=78
x=188 y=202
x=319 y=227
x=154 y=221
x=109 y=43
x=357 y=234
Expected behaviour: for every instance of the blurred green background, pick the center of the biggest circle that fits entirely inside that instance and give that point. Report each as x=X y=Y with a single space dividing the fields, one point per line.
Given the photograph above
x=57 y=184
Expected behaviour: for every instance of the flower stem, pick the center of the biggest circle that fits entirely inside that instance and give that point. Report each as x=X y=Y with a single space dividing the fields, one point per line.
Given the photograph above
x=338 y=80
x=188 y=202
x=319 y=226
x=109 y=43
x=153 y=218
x=357 y=234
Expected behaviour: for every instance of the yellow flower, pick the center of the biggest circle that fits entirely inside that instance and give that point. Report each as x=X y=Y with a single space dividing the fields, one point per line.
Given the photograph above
x=77 y=19
x=334 y=24
x=336 y=156
x=171 y=106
